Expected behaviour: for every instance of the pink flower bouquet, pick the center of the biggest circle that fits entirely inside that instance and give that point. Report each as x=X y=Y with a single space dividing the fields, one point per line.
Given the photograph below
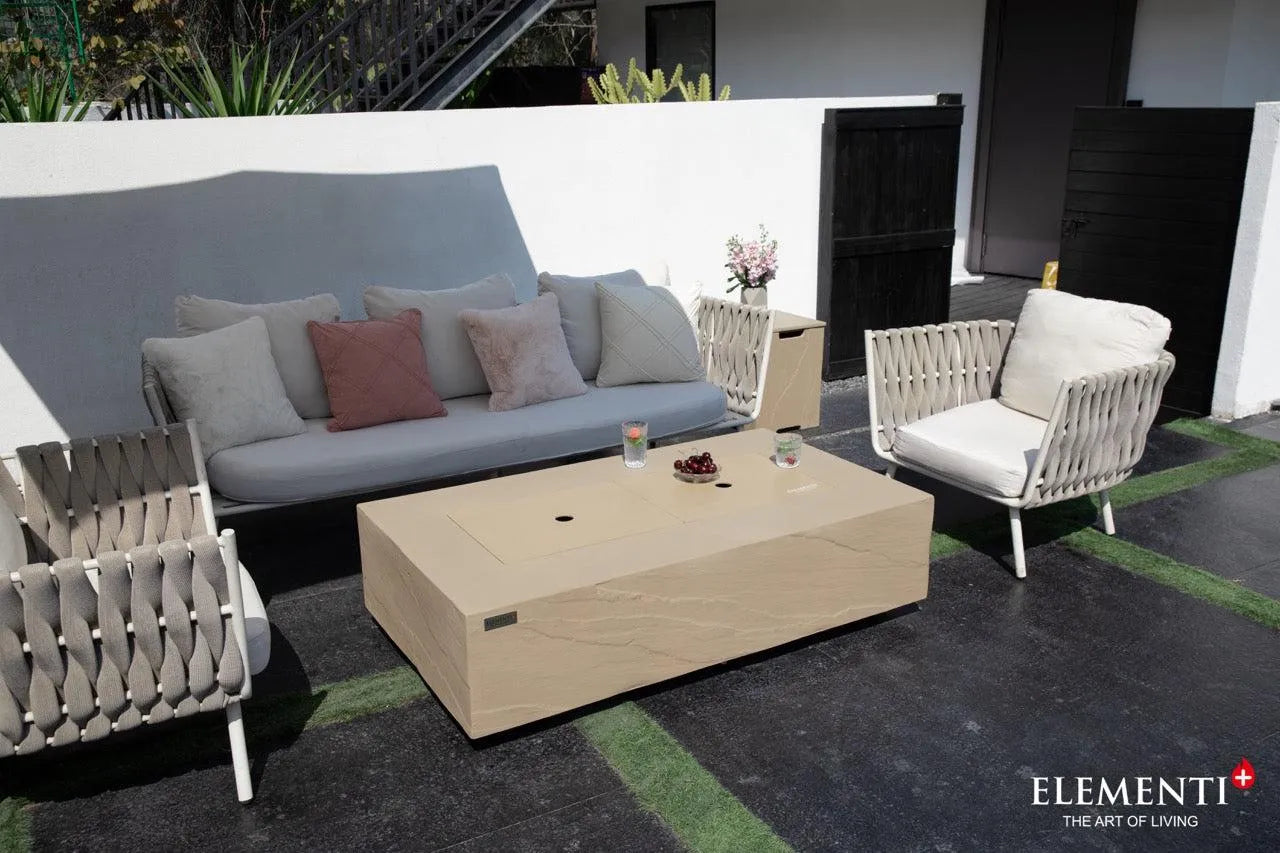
x=752 y=264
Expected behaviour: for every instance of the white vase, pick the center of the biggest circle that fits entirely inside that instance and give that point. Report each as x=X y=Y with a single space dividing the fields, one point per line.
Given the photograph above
x=755 y=296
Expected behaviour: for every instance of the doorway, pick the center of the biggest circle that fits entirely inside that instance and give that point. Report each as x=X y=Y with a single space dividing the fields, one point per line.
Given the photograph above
x=1040 y=61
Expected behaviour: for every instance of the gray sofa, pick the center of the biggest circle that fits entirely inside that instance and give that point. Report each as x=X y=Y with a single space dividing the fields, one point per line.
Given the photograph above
x=733 y=340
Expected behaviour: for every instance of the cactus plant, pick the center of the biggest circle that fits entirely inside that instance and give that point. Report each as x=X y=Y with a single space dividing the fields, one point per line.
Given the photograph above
x=642 y=88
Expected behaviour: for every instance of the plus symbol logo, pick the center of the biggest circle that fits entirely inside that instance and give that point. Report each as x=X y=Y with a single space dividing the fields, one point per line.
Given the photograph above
x=1243 y=776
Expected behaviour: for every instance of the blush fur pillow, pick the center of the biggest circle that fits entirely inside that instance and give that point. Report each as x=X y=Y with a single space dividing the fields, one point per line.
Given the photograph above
x=523 y=353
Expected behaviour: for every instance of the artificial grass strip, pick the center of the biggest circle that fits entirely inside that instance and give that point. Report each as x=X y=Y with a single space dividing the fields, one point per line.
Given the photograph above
x=15 y=825
x=1217 y=433
x=1186 y=579
x=668 y=781
x=359 y=697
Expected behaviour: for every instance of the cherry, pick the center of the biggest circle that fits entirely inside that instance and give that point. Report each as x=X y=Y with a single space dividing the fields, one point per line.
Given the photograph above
x=679 y=464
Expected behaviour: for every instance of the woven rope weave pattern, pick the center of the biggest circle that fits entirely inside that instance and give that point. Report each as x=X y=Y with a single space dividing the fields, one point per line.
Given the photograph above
x=733 y=338
x=1101 y=431
x=164 y=644
x=923 y=370
x=106 y=493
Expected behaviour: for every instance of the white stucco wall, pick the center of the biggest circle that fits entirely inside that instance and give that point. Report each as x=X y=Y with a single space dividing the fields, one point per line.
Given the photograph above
x=101 y=225
x=1192 y=53
x=1248 y=380
x=835 y=48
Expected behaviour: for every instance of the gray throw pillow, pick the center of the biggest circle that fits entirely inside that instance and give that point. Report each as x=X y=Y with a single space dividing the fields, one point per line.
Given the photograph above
x=287 y=329
x=580 y=312
x=455 y=371
x=523 y=353
x=227 y=381
x=646 y=337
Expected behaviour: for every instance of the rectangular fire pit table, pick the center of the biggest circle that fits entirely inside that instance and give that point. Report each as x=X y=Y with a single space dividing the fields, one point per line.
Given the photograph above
x=524 y=596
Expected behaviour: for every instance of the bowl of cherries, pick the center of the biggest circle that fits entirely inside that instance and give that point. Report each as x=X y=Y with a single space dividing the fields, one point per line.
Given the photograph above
x=697 y=468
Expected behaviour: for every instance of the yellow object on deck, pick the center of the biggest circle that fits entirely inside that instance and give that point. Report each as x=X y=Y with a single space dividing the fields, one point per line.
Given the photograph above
x=1050 y=280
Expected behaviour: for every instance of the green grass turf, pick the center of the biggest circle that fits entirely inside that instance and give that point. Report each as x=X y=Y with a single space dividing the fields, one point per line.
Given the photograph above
x=15 y=826
x=1182 y=577
x=667 y=780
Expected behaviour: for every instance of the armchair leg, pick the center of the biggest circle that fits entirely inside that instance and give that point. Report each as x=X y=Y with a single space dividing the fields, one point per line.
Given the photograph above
x=1108 y=520
x=1019 y=556
x=239 y=752
x=891 y=470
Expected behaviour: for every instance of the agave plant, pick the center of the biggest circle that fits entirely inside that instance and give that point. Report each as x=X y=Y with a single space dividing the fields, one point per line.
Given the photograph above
x=38 y=96
x=250 y=88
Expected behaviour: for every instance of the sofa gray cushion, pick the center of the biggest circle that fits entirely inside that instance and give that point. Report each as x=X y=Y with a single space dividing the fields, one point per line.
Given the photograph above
x=227 y=382
x=455 y=370
x=580 y=312
x=287 y=330
x=319 y=463
x=646 y=337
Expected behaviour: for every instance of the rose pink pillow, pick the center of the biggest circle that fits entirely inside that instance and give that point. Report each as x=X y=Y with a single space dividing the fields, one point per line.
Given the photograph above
x=375 y=371
x=523 y=353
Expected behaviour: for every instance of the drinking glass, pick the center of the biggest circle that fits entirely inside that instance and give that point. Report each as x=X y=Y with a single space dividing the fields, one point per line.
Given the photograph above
x=786 y=449
x=635 y=441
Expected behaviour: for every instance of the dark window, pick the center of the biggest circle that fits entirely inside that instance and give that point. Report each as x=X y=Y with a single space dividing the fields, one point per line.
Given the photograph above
x=681 y=34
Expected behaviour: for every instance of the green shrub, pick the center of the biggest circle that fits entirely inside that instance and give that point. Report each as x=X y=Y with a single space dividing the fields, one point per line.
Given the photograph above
x=40 y=96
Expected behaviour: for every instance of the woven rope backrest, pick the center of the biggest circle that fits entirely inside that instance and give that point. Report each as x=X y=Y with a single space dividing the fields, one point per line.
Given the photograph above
x=106 y=493
x=733 y=340
x=1101 y=431
x=920 y=371
x=153 y=642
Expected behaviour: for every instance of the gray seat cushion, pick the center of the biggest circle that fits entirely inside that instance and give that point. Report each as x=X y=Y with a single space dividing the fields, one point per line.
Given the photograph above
x=319 y=463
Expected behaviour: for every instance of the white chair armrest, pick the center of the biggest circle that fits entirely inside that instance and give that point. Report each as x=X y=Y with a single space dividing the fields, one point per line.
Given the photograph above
x=1097 y=431
x=734 y=341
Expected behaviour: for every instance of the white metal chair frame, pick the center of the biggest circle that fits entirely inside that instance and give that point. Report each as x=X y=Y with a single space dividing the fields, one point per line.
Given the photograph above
x=1095 y=435
x=227 y=546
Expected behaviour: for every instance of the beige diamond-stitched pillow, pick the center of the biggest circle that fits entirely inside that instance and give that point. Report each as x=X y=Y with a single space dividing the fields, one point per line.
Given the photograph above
x=646 y=337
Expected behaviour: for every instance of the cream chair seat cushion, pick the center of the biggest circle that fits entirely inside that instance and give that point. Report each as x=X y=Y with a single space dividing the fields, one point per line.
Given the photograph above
x=985 y=446
x=257 y=630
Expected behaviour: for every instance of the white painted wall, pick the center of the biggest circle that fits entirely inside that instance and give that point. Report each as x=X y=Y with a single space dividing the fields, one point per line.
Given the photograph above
x=1193 y=53
x=101 y=225
x=1248 y=380
x=835 y=48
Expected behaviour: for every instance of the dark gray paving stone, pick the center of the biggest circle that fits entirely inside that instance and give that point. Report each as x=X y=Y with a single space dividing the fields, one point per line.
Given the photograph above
x=1227 y=526
x=606 y=822
x=1265 y=425
x=403 y=780
x=322 y=636
x=843 y=406
x=923 y=731
x=1169 y=449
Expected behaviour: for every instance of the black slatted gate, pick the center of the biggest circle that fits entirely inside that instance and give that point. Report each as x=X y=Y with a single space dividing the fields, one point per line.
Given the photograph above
x=1152 y=206
x=887 y=223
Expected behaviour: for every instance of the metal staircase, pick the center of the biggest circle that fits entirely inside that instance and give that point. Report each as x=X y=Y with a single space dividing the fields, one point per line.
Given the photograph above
x=404 y=54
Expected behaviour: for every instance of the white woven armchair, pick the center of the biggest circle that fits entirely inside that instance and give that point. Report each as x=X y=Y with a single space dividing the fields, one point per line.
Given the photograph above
x=933 y=393
x=121 y=607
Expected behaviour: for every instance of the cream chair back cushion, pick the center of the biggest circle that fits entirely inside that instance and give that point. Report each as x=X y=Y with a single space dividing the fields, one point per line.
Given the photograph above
x=1063 y=336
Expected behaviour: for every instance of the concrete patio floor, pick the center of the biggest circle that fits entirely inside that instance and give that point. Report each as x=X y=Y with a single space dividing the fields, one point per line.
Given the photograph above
x=1153 y=654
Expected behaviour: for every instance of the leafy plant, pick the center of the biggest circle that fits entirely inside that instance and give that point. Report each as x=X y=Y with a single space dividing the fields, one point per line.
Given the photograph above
x=248 y=88
x=38 y=97
x=642 y=88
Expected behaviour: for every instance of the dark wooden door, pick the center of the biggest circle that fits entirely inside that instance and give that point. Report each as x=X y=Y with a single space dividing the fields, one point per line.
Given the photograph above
x=1046 y=60
x=1152 y=206
x=887 y=224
